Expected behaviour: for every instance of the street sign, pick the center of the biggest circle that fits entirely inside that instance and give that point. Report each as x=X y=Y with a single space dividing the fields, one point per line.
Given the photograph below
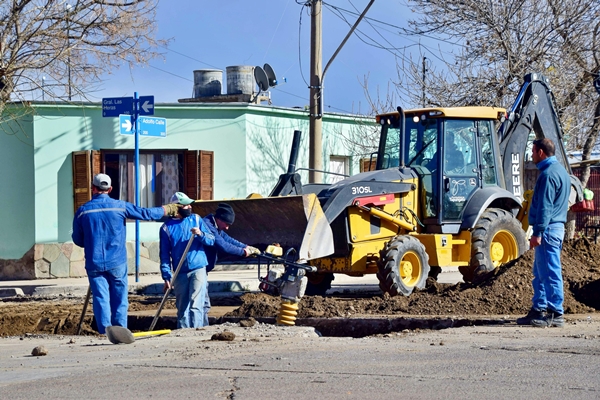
x=115 y=106
x=148 y=126
x=153 y=126
x=125 y=125
x=146 y=105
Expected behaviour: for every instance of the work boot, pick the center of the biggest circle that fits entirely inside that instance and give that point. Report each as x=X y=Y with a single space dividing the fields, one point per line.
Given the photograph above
x=533 y=314
x=552 y=319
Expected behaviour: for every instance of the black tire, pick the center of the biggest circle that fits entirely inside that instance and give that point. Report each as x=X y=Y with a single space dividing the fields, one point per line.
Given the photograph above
x=404 y=266
x=318 y=283
x=434 y=272
x=496 y=239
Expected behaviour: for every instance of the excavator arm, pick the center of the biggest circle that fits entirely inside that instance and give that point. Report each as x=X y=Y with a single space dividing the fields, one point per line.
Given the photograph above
x=532 y=111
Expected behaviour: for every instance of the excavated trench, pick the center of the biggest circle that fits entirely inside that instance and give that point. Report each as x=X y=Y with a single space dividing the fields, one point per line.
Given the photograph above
x=499 y=300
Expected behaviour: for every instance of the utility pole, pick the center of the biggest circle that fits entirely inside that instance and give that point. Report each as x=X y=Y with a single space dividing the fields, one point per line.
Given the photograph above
x=424 y=70
x=69 y=51
x=315 y=156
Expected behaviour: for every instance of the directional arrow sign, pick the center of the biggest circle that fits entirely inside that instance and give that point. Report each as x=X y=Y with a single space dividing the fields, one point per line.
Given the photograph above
x=125 y=125
x=149 y=126
x=146 y=105
x=115 y=106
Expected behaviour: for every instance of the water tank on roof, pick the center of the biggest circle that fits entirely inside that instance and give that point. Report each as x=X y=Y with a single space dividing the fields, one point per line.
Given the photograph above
x=208 y=82
x=240 y=79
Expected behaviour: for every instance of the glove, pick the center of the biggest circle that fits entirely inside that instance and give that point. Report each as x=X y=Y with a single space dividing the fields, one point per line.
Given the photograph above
x=171 y=210
x=252 y=251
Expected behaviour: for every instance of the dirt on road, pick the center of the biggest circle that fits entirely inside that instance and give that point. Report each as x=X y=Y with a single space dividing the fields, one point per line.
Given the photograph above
x=508 y=292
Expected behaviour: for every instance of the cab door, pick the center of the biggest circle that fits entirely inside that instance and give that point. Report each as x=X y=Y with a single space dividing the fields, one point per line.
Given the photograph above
x=460 y=166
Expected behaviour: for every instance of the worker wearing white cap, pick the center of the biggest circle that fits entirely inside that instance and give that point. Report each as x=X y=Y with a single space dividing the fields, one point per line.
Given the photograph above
x=99 y=227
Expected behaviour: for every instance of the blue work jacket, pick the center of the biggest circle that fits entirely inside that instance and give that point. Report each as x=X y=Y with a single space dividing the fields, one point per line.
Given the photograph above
x=550 y=201
x=99 y=227
x=174 y=237
x=223 y=242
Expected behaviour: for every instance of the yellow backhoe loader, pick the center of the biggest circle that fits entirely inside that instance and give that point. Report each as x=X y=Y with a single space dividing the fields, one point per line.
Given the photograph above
x=447 y=191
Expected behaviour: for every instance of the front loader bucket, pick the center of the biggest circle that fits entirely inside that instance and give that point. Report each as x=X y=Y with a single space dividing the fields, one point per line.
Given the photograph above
x=291 y=221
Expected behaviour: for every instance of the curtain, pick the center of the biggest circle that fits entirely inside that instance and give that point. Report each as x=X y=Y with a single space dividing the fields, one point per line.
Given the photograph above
x=147 y=181
x=170 y=176
x=123 y=182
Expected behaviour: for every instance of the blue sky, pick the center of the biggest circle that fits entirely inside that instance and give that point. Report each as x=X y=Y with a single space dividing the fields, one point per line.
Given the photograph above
x=217 y=34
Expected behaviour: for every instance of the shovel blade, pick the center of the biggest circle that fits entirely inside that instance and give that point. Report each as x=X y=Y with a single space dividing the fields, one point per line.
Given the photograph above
x=119 y=334
x=291 y=221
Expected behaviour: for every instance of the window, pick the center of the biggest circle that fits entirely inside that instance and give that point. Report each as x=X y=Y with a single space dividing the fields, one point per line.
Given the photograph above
x=487 y=153
x=162 y=173
x=337 y=165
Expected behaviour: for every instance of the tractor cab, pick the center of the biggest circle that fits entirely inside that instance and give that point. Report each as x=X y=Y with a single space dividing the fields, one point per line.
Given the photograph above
x=453 y=152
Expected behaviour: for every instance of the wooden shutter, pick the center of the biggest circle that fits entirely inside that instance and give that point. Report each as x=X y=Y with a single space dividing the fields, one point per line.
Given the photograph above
x=82 y=178
x=199 y=174
x=86 y=164
x=191 y=173
x=207 y=175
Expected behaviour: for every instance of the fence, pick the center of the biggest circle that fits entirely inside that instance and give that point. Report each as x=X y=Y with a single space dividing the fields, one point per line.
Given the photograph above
x=584 y=219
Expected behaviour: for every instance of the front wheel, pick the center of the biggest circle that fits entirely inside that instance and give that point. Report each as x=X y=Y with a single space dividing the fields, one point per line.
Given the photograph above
x=496 y=239
x=403 y=266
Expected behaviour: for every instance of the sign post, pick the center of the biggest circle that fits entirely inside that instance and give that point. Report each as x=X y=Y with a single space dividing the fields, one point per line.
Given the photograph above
x=129 y=110
x=134 y=122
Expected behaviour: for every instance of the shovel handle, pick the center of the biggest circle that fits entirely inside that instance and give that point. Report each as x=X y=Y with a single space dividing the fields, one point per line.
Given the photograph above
x=85 y=305
x=152 y=333
x=164 y=299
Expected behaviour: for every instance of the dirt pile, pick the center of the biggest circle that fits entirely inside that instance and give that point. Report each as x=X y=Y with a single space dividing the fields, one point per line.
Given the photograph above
x=508 y=292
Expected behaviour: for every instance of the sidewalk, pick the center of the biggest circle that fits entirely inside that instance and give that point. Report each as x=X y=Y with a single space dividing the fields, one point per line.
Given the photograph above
x=225 y=281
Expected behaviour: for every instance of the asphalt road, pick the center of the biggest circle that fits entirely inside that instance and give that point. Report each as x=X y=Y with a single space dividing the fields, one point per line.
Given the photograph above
x=270 y=362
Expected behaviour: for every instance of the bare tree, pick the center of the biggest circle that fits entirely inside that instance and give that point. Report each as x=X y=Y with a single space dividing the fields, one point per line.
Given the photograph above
x=72 y=42
x=496 y=42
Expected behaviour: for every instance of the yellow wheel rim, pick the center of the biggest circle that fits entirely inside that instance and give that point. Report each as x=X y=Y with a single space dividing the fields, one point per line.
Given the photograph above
x=410 y=269
x=503 y=248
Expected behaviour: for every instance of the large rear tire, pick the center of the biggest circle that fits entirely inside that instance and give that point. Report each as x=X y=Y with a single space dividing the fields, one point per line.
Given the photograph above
x=318 y=283
x=496 y=239
x=404 y=266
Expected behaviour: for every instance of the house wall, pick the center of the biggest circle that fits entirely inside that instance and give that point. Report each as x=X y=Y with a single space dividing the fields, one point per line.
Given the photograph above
x=17 y=193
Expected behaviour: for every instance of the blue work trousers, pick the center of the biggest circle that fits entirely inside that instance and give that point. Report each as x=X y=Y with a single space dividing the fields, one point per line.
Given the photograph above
x=190 y=295
x=548 y=292
x=109 y=292
x=206 y=305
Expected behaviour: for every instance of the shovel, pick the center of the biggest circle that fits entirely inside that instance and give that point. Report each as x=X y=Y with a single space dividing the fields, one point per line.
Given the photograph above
x=162 y=303
x=85 y=305
x=119 y=334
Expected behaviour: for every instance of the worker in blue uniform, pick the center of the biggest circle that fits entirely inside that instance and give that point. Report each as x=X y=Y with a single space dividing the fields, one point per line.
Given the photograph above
x=190 y=285
x=99 y=227
x=219 y=224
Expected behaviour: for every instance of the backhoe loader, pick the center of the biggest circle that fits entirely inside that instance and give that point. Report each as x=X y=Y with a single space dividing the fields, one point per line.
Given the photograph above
x=447 y=191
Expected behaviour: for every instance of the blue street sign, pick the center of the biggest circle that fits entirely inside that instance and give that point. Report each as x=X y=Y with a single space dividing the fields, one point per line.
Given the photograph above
x=152 y=126
x=125 y=125
x=148 y=126
x=115 y=106
x=146 y=105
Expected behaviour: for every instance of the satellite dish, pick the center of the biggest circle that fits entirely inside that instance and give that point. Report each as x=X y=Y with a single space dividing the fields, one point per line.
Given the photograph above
x=261 y=79
x=270 y=74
